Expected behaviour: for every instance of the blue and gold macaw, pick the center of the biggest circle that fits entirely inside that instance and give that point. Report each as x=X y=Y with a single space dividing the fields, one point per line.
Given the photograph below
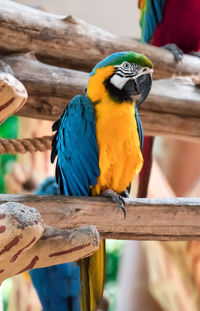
x=98 y=146
x=58 y=287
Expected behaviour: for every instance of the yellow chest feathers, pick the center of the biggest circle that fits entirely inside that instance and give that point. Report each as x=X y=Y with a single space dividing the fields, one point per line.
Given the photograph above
x=120 y=157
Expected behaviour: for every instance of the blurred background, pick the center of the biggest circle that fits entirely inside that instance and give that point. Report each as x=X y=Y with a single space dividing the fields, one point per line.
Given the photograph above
x=149 y=276
x=98 y=13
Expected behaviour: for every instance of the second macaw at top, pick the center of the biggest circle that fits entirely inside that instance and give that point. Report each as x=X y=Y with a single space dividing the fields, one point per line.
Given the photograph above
x=171 y=22
x=98 y=145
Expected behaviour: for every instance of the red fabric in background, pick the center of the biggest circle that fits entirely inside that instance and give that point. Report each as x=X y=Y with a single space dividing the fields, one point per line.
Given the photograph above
x=146 y=169
x=180 y=25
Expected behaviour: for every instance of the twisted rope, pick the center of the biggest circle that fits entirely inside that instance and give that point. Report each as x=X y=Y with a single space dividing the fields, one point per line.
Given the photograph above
x=13 y=146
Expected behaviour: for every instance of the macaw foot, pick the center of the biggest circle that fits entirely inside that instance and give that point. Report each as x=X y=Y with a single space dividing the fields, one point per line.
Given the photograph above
x=178 y=53
x=116 y=198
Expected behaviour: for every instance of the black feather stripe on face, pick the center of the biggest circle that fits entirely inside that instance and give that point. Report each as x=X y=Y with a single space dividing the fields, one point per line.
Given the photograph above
x=115 y=93
x=127 y=81
x=122 y=75
x=127 y=69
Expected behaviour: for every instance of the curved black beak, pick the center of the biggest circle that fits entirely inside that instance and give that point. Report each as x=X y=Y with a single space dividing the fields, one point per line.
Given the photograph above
x=144 y=83
x=140 y=85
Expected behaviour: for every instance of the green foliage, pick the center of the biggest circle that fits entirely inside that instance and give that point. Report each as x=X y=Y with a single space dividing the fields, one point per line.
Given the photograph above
x=114 y=250
x=9 y=129
x=6 y=289
x=112 y=292
x=113 y=255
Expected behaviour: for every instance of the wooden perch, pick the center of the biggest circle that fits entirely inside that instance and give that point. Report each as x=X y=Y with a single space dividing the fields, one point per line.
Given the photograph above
x=172 y=108
x=147 y=219
x=13 y=94
x=67 y=41
x=27 y=243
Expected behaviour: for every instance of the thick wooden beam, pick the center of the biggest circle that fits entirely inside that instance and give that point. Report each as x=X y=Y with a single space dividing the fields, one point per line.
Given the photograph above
x=27 y=243
x=70 y=42
x=172 y=109
x=49 y=87
x=147 y=219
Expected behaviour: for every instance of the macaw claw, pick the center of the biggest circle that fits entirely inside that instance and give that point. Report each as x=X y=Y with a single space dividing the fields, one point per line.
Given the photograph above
x=178 y=53
x=116 y=198
x=125 y=194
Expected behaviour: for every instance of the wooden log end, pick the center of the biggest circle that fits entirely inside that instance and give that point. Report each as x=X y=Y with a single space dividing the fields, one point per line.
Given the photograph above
x=20 y=228
x=26 y=243
x=13 y=95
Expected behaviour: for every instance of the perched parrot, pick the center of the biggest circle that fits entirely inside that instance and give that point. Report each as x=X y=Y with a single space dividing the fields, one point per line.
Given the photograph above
x=58 y=287
x=98 y=146
x=174 y=25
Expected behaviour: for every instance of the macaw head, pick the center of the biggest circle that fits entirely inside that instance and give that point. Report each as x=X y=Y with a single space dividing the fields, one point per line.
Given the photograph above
x=122 y=76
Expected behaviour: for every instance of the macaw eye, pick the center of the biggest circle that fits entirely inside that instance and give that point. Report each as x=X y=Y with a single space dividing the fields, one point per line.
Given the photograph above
x=126 y=65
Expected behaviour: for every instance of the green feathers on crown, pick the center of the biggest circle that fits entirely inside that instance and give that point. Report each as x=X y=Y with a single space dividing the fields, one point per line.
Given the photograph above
x=120 y=57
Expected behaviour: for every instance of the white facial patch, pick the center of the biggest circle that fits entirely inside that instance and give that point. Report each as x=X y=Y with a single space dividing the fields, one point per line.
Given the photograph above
x=127 y=71
x=118 y=81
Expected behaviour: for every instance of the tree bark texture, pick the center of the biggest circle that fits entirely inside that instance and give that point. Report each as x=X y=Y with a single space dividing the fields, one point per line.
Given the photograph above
x=27 y=243
x=71 y=42
x=147 y=219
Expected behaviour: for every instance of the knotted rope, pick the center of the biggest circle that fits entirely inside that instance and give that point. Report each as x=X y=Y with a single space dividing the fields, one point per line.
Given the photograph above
x=13 y=146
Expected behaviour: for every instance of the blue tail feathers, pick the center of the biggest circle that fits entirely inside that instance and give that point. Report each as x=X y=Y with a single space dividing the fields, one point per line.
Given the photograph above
x=58 y=287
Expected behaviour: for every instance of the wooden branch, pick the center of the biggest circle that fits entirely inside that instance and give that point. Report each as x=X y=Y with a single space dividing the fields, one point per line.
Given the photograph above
x=49 y=87
x=27 y=243
x=147 y=219
x=66 y=41
x=172 y=108
x=13 y=94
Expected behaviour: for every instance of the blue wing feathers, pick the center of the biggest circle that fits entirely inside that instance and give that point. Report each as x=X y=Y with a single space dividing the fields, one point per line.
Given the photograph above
x=58 y=287
x=158 y=9
x=151 y=16
x=76 y=147
x=139 y=128
x=150 y=24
